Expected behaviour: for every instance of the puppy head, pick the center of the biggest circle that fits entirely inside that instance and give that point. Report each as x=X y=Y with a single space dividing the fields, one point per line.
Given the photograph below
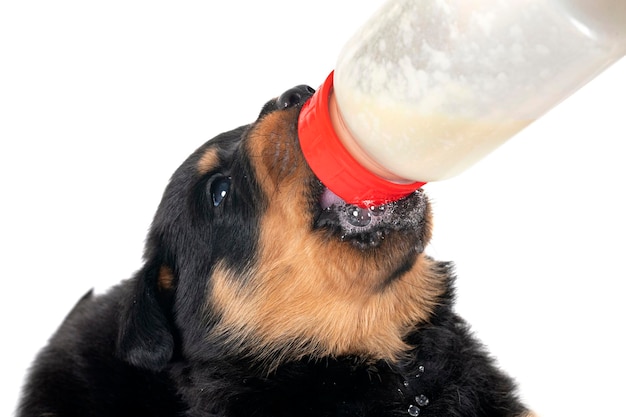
x=250 y=255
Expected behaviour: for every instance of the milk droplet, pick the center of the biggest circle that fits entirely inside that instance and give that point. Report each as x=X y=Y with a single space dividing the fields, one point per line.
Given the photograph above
x=414 y=410
x=358 y=216
x=422 y=400
x=378 y=210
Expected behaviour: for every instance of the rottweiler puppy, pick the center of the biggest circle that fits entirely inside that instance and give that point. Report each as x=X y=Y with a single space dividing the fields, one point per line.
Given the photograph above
x=263 y=294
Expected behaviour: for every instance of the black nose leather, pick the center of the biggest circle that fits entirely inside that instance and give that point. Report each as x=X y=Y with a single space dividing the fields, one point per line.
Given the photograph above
x=294 y=96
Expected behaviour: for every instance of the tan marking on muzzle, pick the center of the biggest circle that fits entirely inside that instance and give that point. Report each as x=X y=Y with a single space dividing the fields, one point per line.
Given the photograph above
x=308 y=295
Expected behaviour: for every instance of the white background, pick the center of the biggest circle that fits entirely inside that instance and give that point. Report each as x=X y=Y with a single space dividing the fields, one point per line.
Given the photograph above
x=99 y=103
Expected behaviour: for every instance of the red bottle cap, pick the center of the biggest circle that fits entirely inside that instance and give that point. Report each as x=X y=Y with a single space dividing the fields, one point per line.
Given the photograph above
x=332 y=163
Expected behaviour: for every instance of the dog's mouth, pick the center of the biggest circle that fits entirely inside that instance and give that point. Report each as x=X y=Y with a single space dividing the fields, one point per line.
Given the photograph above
x=369 y=227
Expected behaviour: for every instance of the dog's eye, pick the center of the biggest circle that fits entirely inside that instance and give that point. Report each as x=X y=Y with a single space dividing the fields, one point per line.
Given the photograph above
x=219 y=189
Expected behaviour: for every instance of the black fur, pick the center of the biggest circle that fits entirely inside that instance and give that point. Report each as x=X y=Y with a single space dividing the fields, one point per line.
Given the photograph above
x=140 y=350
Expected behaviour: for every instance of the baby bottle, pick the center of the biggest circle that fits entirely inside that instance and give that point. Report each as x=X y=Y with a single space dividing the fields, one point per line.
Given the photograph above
x=426 y=88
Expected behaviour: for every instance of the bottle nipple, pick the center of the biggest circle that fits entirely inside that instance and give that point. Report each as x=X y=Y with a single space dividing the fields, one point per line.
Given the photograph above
x=333 y=163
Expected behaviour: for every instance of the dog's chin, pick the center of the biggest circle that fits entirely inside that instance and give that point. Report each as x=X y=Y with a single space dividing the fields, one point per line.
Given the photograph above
x=368 y=228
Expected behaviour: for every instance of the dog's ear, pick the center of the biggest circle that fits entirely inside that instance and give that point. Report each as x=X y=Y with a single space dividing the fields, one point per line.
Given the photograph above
x=145 y=337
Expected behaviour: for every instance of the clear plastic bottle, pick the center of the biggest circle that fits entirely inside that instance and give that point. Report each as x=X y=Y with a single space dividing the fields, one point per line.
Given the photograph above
x=426 y=88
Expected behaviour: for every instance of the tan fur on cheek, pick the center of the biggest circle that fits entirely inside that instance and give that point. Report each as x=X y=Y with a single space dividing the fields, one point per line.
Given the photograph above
x=311 y=297
x=295 y=312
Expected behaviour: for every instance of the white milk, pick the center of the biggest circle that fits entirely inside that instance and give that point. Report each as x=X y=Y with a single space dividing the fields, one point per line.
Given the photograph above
x=429 y=87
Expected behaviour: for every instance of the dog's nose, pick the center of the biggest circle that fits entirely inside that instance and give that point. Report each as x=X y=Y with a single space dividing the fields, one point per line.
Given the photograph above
x=294 y=96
